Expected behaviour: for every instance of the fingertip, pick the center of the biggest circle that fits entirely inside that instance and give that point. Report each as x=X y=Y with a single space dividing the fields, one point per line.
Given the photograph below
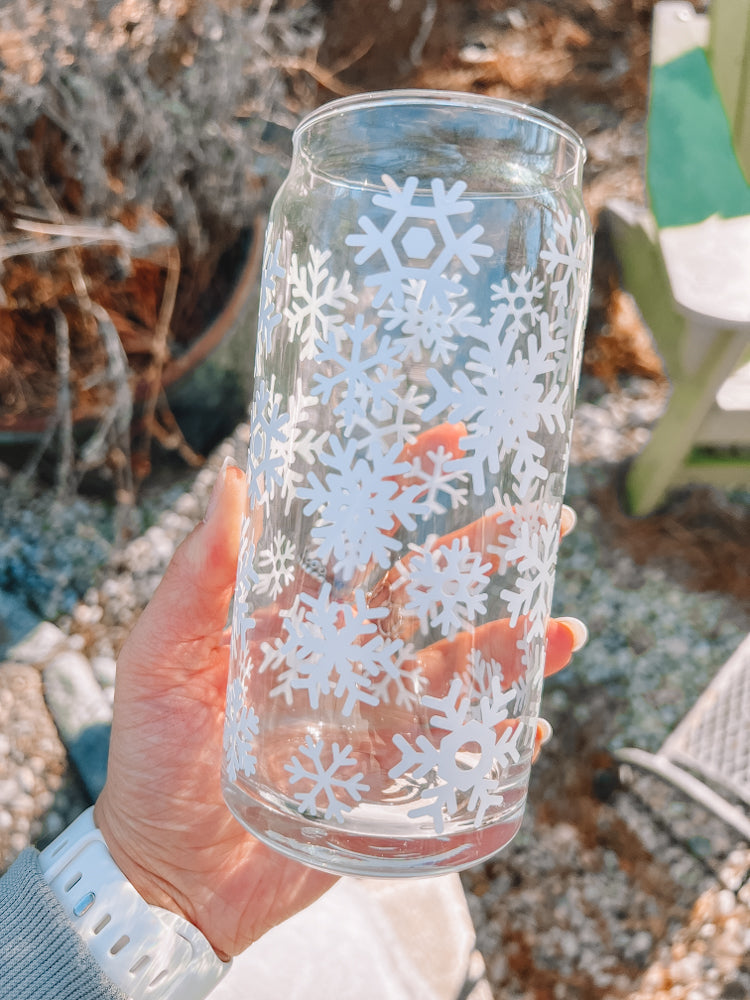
x=543 y=731
x=227 y=478
x=207 y=559
x=542 y=736
x=565 y=636
x=578 y=631
x=568 y=520
x=219 y=537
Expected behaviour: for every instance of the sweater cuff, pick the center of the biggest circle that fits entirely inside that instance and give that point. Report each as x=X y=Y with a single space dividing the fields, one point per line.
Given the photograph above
x=41 y=955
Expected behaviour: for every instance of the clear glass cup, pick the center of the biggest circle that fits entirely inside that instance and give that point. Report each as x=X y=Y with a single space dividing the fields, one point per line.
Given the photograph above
x=424 y=291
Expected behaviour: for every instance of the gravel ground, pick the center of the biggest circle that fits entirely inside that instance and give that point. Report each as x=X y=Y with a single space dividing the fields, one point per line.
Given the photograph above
x=614 y=888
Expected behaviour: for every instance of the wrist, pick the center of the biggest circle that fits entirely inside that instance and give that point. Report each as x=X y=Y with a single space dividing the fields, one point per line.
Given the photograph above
x=157 y=881
x=134 y=861
x=144 y=949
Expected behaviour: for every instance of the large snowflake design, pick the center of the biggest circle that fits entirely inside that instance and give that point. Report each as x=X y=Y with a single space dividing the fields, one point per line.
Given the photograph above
x=528 y=539
x=241 y=726
x=566 y=259
x=365 y=379
x=428 y=329
x=504 y=398
x=420 y=237
x=462 y=770
x=317 y=301
x=446 y=585
x=332 y=647
x=268 y=317
x=326 y=779
x=358 y=506
x=276 y=566
x=268 y=438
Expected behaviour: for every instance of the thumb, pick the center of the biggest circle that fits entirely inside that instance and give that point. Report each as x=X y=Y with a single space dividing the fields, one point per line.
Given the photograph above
x=192 y=601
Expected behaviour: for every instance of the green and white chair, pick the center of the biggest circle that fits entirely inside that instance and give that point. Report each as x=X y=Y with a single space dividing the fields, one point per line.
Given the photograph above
x=686 y=257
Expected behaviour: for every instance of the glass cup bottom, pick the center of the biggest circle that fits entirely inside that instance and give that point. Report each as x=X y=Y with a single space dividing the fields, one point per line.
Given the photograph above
x=364 y=852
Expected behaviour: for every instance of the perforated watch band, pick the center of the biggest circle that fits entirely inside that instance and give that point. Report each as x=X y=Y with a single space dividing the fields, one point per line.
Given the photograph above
x=150 y=953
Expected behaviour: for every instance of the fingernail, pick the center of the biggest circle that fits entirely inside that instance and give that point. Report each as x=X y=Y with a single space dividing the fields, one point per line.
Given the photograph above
x=543 y=731
x=568 y=519
x=579 y=631
x=219 y=483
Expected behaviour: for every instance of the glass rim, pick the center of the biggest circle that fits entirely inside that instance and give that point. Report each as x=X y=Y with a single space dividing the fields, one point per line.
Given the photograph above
x=441 y=98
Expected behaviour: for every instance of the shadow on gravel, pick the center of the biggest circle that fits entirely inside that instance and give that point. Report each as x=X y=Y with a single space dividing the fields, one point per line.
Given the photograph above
x=700 y=537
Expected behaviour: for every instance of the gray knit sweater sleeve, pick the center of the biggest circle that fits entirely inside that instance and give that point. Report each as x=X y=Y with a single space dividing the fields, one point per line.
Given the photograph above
x=41 y=955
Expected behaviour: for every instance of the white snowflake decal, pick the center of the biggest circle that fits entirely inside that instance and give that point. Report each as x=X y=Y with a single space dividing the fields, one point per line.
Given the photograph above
x=504 y=398
x=482 y=674
x=326 y=779
x=365 y=378
x=358 y=507
x=280 y=656
x=392 y=424
x=524 y=693
x=268 y=438
x=276 y=566
x=460 y=779
x=566 y=259
x=240 y=729
x=528 y=686
x=528 y=542
x=402 y=682
x=302 y=444
x=445 y=586
x=521 y=294
x=318 y=301
x=268 y=317
x=418 y=240
x=440 y=485
x=428 y=329
x=332 y=647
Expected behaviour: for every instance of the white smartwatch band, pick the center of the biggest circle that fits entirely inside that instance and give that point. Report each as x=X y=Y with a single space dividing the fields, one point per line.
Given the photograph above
x=149 y=952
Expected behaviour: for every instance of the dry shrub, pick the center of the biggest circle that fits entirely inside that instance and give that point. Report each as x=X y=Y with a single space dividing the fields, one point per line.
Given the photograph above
x=625 y=346
x=138 y=143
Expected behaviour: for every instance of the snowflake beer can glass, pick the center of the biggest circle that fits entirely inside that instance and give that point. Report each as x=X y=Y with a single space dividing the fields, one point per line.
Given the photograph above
x=423 y=296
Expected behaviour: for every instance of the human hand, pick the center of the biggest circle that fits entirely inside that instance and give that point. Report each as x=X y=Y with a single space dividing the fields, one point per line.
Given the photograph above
x=161 y=812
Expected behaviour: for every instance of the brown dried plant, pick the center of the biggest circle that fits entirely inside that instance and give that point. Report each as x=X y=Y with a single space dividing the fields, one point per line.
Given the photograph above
x=139 y=141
